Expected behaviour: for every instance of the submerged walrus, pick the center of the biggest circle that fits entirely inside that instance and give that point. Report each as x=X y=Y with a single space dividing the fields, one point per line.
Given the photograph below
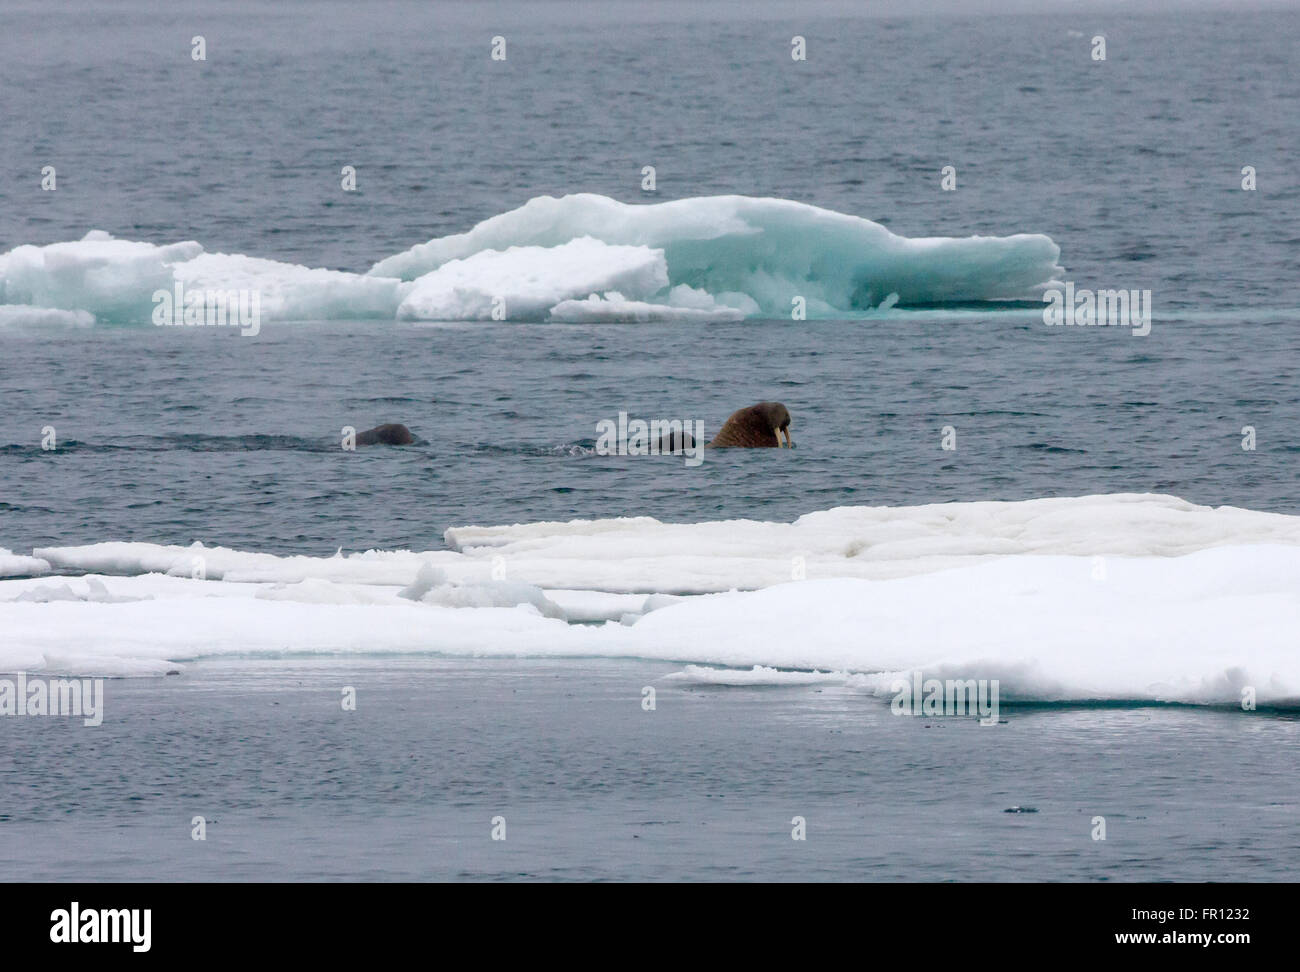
x=757 y=427
x=390 y=434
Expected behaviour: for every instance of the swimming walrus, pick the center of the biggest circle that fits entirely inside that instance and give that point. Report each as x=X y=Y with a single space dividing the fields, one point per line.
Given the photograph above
x=757 y=427
x=389 y=434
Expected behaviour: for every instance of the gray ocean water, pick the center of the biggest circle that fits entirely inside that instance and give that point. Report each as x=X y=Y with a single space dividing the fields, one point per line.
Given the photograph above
x=592 y=787
x=170 y=435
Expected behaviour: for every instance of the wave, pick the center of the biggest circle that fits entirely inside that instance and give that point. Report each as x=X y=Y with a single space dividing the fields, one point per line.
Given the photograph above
x=1118 y=598
x=577 y=258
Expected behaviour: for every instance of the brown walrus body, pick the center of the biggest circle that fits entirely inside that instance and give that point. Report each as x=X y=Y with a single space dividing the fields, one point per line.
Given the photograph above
x=390 y=434
x=757 y=427
x=673 y=443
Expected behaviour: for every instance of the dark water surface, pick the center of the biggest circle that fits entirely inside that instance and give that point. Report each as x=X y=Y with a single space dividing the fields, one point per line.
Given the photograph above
x=175 y=435
x=592 y=787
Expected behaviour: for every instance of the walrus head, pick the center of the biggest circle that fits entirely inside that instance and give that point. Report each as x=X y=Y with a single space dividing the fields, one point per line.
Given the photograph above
x=757 y=427
x=390 y=434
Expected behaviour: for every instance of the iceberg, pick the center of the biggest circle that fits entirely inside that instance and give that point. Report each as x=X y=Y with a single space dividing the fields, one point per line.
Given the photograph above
x=524 y=282
x=25 y=315
x=579 y=258
x=769 y=250
x=614 y=308
x=115 y=281
x=109 y=278
x=289 y=292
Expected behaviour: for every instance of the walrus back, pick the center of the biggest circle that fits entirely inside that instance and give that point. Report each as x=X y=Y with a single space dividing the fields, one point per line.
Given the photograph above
x=390 y=434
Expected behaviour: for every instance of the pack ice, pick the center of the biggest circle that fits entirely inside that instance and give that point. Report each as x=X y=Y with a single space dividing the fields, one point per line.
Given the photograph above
x=1131 y=597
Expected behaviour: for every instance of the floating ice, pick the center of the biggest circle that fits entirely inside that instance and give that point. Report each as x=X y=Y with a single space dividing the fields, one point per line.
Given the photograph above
x=758 y=675
x=17 y=565
x=614 y=308
x=25 y=315
x=432 y=587
x=112 y=279
x=288 y=291
x=313 y=590
x=1197 y=628
x=1124 y=597
x=395 y=568
x=115 y=280
x=84 y=589
x=529 y=280
x=577 y=258
x=769 y=250
x=494 y=594
x=641 y=554
x=155 y=634
x=591 y=606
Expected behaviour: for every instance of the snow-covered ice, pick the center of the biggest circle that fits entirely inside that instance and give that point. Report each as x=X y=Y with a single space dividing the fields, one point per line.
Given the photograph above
x=112 y=280
x=1126 y=596
x=20 y=565
x=529 y=280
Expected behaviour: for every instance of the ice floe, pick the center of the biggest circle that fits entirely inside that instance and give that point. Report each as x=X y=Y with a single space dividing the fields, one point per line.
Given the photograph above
x=1130 y=597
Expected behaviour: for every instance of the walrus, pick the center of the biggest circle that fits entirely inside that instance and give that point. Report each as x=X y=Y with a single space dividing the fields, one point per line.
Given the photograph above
x=671 y=443
x=389 y=434
x=757 y=427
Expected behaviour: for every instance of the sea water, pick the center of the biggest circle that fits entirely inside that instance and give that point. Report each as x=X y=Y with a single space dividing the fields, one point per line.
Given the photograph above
x=1132 y=166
